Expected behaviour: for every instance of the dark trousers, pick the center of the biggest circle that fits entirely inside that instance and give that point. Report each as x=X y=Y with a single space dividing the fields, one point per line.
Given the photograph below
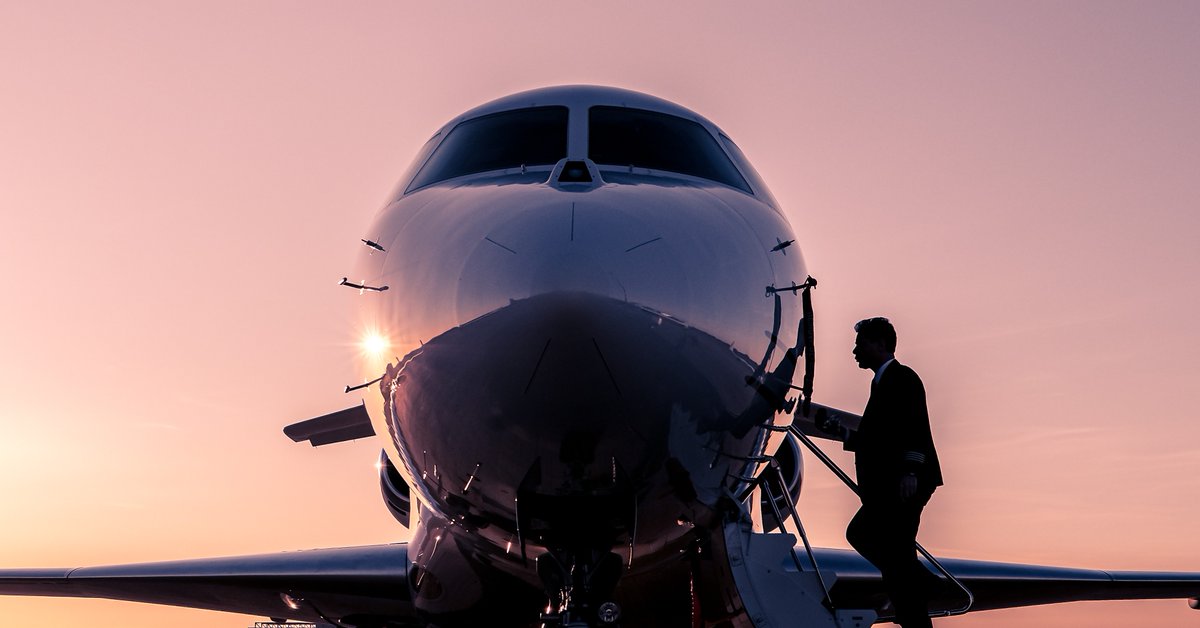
x=884 y=531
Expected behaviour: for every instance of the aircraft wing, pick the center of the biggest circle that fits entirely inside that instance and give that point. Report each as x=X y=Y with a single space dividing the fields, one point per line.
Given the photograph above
x=355 y=585
x=1005 y=585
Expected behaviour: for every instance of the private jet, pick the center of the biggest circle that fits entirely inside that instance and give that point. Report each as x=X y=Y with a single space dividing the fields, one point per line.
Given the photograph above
x=593 y=399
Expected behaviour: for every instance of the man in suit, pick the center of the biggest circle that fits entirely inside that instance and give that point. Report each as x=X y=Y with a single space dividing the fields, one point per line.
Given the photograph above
x=897 y=470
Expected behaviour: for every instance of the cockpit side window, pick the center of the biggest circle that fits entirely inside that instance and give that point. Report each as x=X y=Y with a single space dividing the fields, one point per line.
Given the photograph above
x=499 y=141
x=619 y=136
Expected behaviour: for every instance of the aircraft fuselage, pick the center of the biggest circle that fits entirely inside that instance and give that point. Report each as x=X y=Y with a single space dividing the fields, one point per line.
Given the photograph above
x=578 y=348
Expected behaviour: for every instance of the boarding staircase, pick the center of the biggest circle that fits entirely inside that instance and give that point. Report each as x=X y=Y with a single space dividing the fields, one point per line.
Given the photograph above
x=801 y=597
x=780 y=587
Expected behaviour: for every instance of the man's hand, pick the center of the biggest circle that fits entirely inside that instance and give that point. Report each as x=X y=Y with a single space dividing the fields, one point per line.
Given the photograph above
x=829 y=424
x=908 y=486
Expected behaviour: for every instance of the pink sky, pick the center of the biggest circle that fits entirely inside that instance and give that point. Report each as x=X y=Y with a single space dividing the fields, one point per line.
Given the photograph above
x=182 y=184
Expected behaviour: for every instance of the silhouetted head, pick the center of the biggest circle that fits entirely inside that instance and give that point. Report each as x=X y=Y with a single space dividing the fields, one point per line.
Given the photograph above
x=875 y=342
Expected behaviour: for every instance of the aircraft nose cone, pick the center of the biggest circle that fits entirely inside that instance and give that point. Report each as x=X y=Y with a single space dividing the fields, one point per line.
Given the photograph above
x=573 y=270
x=555 y=247
x=680 y=252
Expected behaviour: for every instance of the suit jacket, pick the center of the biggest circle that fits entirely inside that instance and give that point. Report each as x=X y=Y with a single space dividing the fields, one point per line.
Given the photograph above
x=894 y=436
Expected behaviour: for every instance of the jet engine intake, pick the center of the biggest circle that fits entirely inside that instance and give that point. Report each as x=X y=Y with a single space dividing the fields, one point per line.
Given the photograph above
x=394 y=489
x=791 y=473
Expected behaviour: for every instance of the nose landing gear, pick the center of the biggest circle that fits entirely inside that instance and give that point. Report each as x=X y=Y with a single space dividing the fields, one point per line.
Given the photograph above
x=580 y=586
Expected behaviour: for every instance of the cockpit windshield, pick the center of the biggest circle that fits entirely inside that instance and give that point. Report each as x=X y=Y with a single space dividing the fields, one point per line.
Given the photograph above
x=619 y=136
x=509 y=139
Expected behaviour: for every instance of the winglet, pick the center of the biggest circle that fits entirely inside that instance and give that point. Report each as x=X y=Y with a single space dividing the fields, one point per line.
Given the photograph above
x=335 y=427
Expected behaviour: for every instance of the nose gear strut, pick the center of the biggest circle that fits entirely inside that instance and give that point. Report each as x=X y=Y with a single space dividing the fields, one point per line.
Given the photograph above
x=579 y=584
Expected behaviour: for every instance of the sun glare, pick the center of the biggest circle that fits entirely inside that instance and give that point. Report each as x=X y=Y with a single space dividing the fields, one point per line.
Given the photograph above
x=374 y=343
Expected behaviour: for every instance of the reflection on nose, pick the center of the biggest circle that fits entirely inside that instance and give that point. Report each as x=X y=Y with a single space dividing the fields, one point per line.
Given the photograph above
x=573 y=271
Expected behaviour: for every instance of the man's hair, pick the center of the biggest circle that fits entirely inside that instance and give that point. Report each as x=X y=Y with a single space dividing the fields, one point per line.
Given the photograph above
x=878 y=329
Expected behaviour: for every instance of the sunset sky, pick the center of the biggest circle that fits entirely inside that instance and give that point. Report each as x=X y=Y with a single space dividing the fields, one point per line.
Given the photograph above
x=182 y=184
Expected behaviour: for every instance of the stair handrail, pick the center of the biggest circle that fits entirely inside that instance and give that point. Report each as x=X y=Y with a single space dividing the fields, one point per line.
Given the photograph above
x=837 y=470
x=795 y=515
x=763 y=483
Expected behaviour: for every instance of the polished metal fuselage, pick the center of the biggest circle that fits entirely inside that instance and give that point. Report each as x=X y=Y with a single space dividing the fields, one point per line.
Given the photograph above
x=575 y=364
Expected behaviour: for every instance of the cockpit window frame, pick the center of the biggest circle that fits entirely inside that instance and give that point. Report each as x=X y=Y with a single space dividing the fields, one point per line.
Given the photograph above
x=747 y=169
x=417 y=181
x=713 y=147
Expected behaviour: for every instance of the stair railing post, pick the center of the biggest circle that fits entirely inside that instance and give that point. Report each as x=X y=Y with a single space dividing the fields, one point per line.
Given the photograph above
x=812 y=557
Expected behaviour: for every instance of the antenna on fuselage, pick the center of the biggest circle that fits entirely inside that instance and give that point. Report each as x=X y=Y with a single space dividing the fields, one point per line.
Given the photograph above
x=361 y=287
x=363 y=385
